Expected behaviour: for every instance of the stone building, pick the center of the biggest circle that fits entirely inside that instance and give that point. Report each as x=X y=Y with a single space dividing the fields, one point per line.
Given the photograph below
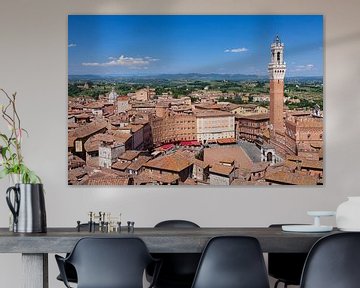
x=212 y=125
x=123 y=104
x=221 y=174
x=251 y=128
x=109 y=153
x=173 y=128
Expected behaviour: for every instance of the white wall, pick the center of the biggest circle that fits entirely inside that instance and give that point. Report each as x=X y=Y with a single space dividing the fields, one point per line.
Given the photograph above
x=33 y=62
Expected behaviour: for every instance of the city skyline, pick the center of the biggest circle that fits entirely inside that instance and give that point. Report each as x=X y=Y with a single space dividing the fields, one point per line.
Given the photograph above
x=172 y=44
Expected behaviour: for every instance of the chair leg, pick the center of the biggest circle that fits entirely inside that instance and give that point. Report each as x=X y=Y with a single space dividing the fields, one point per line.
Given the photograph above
x=277 y=283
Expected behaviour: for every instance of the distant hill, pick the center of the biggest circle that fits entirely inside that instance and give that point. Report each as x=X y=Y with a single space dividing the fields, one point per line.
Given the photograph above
x=189 y=76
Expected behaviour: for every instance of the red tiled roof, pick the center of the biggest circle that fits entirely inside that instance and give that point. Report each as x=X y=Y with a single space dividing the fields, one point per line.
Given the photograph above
x=173 y=162
x=221 y=169
x=255 y=117
x=75 y=161
x=148 y=177
x=129 y=155
x=200 y=163
x=107 y=180
x=212 y=113
x=93 y=143
x=283 y=177
x=120 y=165
x=95 y=105
x=226 y=141
x=312 y=164
x=229 y=153
x=89 y=129
x=137 y=164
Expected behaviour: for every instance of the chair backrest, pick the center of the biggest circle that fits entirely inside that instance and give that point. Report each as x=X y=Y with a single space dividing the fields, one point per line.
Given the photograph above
x=176 y=224
x=177 y=267
x=232 y=262
x=333 y=262
x=110 y=262
x=286 y=266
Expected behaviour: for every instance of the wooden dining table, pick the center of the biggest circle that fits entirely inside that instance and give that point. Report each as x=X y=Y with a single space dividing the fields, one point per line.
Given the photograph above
x=35 y=247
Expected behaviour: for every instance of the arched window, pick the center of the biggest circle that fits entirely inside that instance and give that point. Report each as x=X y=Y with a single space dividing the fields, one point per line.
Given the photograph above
x=269 y=157
x=278 y=56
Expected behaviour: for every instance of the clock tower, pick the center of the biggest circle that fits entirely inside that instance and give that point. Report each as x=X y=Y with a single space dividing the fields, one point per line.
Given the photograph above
x=277 y=69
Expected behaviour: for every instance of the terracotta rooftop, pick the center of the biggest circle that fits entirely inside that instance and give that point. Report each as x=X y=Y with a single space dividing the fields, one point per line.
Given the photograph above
x=234 y=152
x=291 y=164
x=75 y=174
x=129 y=155
x=221 y=169
x=283 y=177
x=95 y=105
x=173 y=162
x=255 y=117
x=312 y=164
x=75 y=106
x=121 y=137
x=89 y=129
x=212 y=113
x=82 y=116
x=229 y=106
x=92 y=162
x=120 y=165
x=149 y=178
x=226 y=141
x=259 y=167
x=137 y=164
x=107 y=180
x=93 y=143
x=135 y=128
x=200 y=163
x=294 y=158
x=72 y=125
x=75 y=161
x=249 y=183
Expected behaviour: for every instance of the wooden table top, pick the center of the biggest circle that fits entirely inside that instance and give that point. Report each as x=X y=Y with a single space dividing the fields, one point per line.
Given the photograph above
x=158 y=240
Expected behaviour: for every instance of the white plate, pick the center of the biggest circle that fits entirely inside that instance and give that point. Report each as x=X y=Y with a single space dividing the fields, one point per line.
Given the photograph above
x=350 y=229
x=306 y=228
x=321 y=213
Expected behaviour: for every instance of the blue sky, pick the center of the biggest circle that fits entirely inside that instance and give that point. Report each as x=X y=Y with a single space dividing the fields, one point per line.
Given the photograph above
x=237 y=44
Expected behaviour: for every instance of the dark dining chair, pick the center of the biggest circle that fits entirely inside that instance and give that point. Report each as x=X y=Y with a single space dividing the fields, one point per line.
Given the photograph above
x=333 y=262
x=108 y=263
x=178 y=269
x=232 y=262
x=70 y=271
x=286 y=267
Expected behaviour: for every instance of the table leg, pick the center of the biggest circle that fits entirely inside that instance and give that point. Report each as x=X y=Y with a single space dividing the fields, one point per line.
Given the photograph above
x=35 y=270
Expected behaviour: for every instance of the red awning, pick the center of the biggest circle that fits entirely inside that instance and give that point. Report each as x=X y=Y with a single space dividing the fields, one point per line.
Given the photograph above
x=167 y=147
x=190 y=143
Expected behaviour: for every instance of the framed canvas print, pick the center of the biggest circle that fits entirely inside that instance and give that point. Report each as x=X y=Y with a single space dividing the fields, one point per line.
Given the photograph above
x=195 y=100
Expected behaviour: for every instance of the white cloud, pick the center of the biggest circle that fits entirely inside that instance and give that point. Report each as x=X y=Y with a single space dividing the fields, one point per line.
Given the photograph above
x=131 y=62
x=72 y=45
x=236 y=50
x=307 y=67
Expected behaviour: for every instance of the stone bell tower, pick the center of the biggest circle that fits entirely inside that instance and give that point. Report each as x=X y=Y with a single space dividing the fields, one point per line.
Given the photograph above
x=277 y=68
